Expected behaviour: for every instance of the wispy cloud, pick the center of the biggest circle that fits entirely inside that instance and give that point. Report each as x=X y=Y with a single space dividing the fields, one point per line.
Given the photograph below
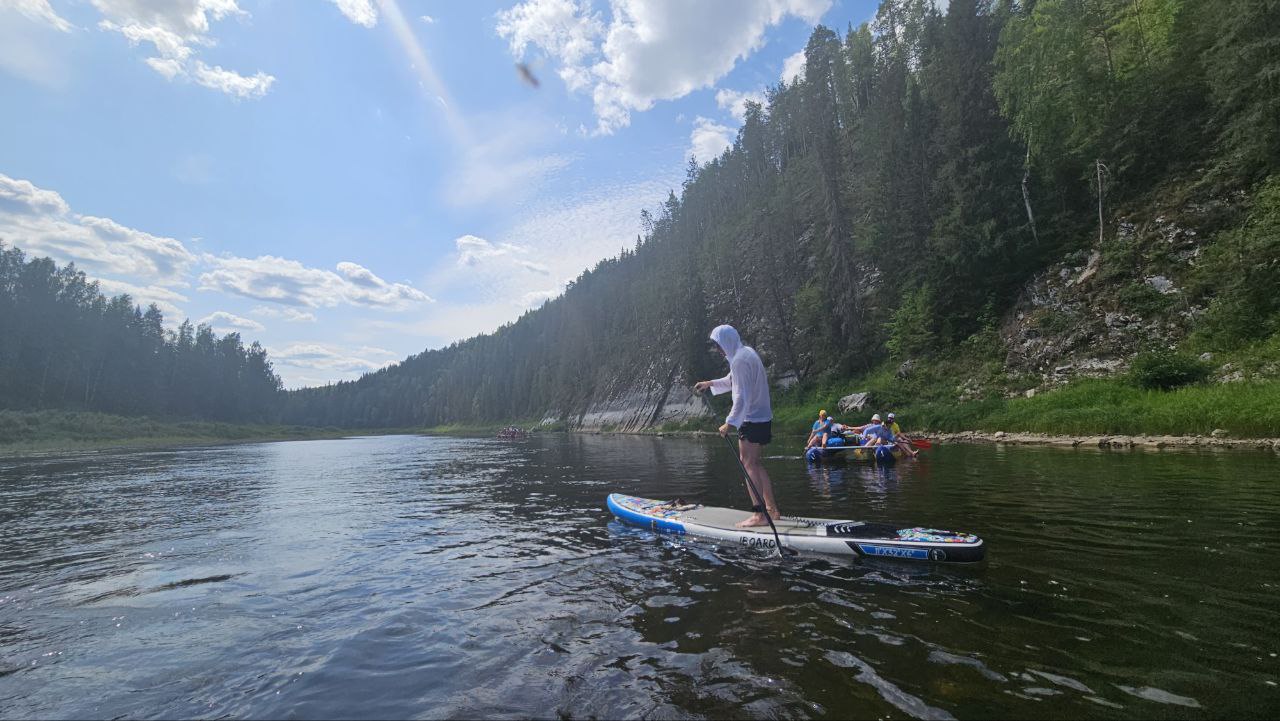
x=280 y=280
x=39 y=11
x=531 y=261
x=224 y=322
x=508 y=163
x=292 y=315
x=166 y=299
x=310 y=362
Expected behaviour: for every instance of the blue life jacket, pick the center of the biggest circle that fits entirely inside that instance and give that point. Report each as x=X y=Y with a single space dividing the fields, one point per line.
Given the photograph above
x=877 y=430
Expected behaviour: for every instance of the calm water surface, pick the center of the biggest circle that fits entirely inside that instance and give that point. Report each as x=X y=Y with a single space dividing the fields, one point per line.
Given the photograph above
x=438 y=577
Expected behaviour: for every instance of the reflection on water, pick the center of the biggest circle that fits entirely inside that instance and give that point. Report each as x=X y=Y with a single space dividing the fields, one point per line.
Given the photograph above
x=440 y=577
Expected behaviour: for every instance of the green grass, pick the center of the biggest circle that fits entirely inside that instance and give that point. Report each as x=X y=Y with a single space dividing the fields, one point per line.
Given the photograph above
x=41 y=431
x=1245 y=410
x=1085 y=407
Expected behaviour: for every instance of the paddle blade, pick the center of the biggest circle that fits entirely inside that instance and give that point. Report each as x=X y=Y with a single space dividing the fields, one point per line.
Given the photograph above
x=921 y=443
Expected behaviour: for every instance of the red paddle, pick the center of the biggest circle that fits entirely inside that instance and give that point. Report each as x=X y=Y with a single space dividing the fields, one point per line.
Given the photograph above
x=921 y=443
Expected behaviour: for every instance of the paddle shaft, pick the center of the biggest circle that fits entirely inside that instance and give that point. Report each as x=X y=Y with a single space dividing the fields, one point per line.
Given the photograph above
x=755 y=493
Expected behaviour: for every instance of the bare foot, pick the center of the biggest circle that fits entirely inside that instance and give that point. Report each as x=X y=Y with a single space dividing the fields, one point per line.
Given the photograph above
x=755 y=519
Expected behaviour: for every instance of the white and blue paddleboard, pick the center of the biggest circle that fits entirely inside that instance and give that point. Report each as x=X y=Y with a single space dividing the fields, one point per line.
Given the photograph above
x=816 y=535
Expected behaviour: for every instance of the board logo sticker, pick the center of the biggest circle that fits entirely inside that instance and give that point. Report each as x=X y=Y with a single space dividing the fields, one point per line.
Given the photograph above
x=895 y=551
x=757 y=542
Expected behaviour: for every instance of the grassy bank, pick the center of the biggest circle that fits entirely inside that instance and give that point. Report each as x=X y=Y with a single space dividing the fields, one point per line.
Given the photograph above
x=1087 y=406
x=491 y=429
x=42 y=431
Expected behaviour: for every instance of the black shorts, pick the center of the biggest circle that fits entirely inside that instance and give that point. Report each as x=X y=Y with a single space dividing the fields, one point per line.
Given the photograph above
x=760 y=433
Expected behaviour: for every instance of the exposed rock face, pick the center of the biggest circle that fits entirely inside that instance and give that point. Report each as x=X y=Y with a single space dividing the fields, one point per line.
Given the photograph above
x=1161 y=284
x=680 y=405
x=854 y=402
x=644 y=405
x=905 y=369
x=1091 y=313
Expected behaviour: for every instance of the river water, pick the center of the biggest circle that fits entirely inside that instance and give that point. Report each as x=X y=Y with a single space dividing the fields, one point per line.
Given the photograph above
x=407 y=576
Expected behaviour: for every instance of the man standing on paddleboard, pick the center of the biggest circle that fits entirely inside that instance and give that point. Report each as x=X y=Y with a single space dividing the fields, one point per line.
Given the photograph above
x=751 y=414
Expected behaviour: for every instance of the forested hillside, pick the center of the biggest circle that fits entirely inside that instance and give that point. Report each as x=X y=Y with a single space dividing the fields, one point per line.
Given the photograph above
x=64 y=345
x=900 y=198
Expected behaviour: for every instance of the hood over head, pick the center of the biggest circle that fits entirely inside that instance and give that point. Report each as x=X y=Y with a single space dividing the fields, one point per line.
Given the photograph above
x=727 y=338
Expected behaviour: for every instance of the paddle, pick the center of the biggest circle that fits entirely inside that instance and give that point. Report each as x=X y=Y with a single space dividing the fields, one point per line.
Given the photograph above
x=782 y=550
x=921 y=442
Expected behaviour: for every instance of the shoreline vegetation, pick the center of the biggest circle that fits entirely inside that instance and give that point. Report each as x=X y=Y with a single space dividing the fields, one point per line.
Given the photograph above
x=1106 y=413
x=54 y=431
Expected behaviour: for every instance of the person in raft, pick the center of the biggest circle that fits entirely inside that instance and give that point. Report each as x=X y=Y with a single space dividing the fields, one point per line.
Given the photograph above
x=875 y=433
x=751 y=414
x=900 y=440
x=823 y=428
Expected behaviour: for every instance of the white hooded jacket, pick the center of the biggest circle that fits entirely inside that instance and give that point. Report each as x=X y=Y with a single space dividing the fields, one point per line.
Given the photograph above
x=746 y=379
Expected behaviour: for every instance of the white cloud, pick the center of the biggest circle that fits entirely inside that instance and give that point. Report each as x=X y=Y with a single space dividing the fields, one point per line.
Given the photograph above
x=174 y=29
x=293 y=315
x=168 y=67
x=41 y=223
x=232 y=83
x=793 y=67
x=38 y=11
x=360 y=12
x=184 y=17
x=289 y=282
x=651 y=50
x=322 y=356
x=169 y=44
x=708 y=140
x=735 y=101
x=536 y=298
x=566 y=29
x=22 y=196
x=225 y=322
x=428 y=19
x=472 y=251
x=164 y=298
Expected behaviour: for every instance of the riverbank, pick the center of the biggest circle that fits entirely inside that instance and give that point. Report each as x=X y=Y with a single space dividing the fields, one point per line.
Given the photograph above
x=1118 y=441
x=1033 y=439
x=25 y=432
x=1085 y=408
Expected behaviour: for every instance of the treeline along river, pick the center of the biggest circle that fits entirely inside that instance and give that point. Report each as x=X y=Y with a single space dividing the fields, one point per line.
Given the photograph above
x=432 y=577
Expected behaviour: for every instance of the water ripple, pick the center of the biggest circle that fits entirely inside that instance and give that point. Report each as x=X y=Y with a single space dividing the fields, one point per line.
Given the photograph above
x=441 y=578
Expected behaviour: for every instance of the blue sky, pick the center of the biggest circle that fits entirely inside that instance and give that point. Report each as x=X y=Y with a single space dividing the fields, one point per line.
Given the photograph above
x=353 y=181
